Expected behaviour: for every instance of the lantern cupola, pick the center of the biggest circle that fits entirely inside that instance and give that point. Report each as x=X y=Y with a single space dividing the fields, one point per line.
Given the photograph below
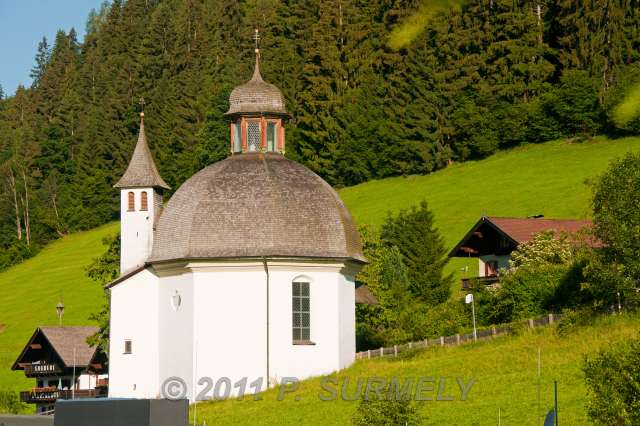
x=257 y=114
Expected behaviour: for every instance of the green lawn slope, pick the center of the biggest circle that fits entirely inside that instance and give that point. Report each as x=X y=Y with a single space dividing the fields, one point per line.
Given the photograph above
x=30 y=291
x=550 y=179
x=505 y=370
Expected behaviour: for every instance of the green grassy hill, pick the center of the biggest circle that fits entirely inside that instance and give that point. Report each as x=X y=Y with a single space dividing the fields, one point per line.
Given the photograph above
x=548 y=178
x=505 y=371
x=29 y=293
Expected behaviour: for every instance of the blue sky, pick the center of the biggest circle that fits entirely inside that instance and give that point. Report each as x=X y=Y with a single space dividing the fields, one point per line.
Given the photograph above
x=23 y=23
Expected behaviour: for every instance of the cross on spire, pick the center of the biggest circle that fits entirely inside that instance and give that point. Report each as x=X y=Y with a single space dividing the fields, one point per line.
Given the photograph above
x=256 y=38
x=141 y=101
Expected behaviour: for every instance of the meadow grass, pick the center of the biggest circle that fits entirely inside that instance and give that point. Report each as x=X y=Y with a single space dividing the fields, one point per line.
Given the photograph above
x=30 y=291
x=504 y=369
x=550 y=179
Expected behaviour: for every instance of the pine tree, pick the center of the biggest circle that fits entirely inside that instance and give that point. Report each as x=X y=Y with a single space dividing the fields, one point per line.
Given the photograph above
x=42 y=58
x=423 y=252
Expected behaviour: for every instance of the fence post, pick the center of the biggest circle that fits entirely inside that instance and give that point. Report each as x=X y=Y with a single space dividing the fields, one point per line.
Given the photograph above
x=530 y=322
x=395 y=351
x=426 y=343
x=494 y=331
x=368 y=353
x=550 y=318
x=410 y=344
x=381 y=352
x=458 y=339
x=441 y=341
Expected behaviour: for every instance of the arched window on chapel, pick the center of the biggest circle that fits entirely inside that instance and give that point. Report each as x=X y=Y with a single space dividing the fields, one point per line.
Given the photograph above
x=144 y=202
x=131 y=202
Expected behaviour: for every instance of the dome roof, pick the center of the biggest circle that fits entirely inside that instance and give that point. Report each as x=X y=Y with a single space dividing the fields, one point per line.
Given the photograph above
x=255 y=205
x=256 y=97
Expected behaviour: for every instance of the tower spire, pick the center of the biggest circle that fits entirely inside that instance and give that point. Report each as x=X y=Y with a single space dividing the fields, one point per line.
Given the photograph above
x=256 y=70
x=142 y=171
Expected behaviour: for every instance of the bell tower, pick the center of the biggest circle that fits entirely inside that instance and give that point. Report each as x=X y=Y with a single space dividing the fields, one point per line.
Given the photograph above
x=257 y=114
x=141 y=189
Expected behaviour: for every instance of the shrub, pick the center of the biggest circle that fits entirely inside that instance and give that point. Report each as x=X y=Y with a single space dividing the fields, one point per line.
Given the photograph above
x=613 y=380
x=525 y=292
x=446 y=319
x=10 y=403
x=545 y=248
x=617 y=224
x=572 y=319
x=384 y=411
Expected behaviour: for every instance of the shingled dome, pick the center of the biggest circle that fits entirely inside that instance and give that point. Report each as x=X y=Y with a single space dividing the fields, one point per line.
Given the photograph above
x=256 y=97
x=255 y=205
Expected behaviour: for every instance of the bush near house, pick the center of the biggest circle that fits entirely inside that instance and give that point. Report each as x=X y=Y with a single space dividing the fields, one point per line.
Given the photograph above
x=10 y=402
x=613 y=383
x=615 y=271
x=380 y=410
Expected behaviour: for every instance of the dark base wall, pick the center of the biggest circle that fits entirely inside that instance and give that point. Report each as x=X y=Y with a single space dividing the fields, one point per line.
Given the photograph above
x=122 y=412
x=26 y=420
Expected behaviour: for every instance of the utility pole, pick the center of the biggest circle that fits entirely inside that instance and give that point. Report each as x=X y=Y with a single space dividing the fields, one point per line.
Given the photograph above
x=555 y=399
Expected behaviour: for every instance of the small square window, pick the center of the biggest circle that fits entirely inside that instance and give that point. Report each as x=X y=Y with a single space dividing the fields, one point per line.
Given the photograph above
x=127 y=346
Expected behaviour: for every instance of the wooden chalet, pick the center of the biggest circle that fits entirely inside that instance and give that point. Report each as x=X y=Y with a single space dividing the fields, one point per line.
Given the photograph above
x=63 y=365
x=492 y=239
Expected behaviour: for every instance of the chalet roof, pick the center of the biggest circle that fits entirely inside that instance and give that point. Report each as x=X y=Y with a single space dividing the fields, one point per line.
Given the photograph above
x=65 y=341
x=142 y=171
x=365 y=297
x=520 y=230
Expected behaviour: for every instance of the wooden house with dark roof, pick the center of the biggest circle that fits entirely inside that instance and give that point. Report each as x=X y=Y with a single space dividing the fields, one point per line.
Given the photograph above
x=492 y=239
x=63 y=365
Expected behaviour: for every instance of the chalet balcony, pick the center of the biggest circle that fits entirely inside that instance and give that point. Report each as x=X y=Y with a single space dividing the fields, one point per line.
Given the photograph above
x=51 y=394
x=469 y=283
x=36 y=370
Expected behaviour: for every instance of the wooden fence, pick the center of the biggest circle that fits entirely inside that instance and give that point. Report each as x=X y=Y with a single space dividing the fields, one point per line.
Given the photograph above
x=484 y=334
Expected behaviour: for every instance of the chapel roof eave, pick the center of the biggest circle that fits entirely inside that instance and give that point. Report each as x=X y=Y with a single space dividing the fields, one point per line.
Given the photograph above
x=257 y=112
x=258 y=259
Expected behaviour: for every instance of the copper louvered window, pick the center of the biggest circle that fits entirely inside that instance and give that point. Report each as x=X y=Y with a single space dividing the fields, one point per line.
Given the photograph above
x=301 y=312
x=144 y=202
x=131 y=201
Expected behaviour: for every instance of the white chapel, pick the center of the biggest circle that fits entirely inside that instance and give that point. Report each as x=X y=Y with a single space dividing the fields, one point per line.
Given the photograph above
x=246 y=272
